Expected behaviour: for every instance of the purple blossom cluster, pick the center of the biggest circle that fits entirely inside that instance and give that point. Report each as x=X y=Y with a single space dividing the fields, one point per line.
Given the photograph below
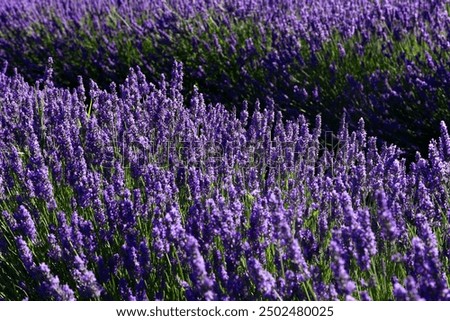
x=118 y=199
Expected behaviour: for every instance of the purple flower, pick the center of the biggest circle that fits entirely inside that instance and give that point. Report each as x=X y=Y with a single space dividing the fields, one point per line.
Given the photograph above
x=25 y=254
x=25 y=223
x=263 y=280
x=10 y=220
x=87 y=284
x=400 y=293
x=125 y=291
x=344 y=284
x=37 y=173
x=429 y=279
x=202 y=284
x=49 y=285
x=131 y=260
x=444 y=142
x=388 y=224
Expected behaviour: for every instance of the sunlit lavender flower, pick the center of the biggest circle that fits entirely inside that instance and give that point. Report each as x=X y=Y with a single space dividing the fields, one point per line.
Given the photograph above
x=202 y=283
x=264 y=281
x=344 y=284
x=50 y=287
x=25 y=223
x=87 y=284
x=388 y=224
x=25 y=254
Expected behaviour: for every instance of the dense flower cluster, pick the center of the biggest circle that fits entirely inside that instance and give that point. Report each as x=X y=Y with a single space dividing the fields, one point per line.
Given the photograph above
x=140 y=195
x=384 y=60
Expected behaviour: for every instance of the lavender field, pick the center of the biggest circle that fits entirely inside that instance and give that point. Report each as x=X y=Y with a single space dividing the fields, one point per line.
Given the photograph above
x=224 y=150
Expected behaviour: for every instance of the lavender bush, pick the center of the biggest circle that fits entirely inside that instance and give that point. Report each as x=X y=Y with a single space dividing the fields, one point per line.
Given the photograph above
x=141 y=195
x=386 y=61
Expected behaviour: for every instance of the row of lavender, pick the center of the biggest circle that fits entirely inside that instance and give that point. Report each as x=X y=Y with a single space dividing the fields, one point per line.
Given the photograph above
x=139 y=195
x=385 y=60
